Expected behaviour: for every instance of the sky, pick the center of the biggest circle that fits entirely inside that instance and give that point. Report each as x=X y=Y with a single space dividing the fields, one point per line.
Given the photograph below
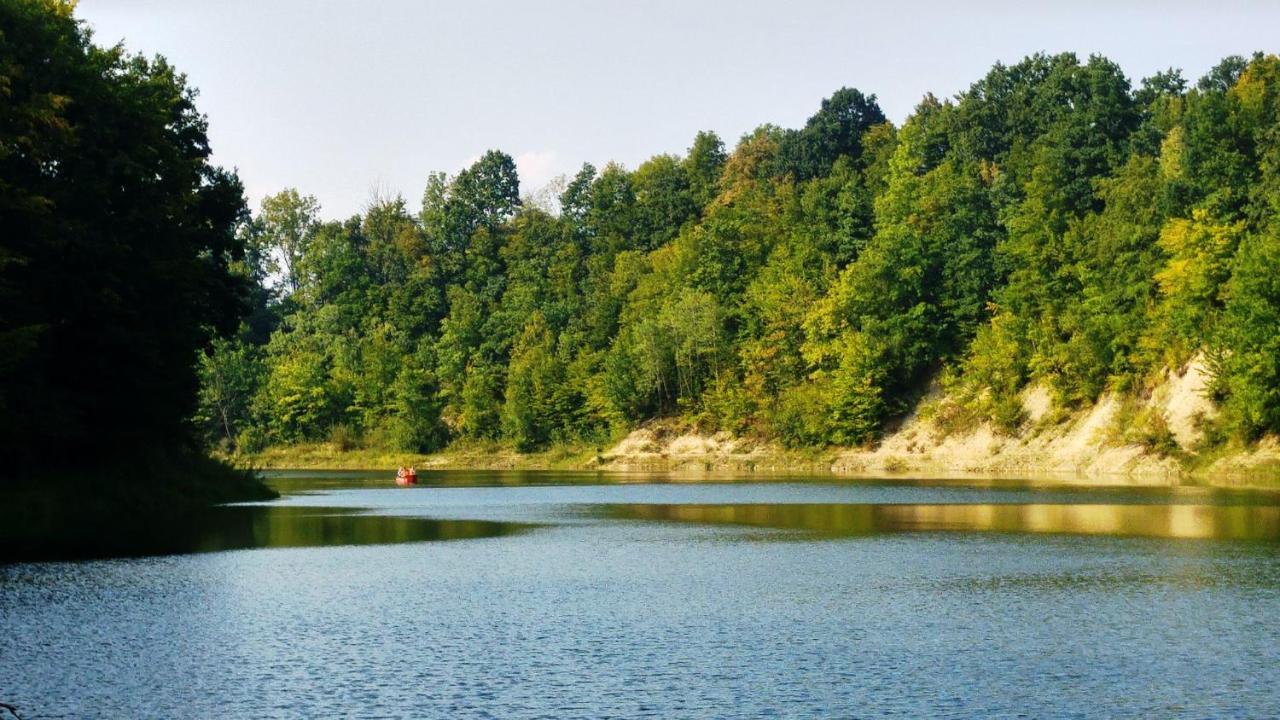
x=344 y=100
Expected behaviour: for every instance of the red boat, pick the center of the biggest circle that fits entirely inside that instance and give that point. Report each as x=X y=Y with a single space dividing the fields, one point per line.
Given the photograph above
x=406 y=476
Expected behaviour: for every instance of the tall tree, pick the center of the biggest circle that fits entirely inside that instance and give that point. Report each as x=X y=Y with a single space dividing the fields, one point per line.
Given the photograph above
x=835 y=130
x=119 y=240
x=286 y=223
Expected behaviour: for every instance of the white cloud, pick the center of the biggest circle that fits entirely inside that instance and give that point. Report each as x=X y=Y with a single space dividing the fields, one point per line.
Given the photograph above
x=537 y=168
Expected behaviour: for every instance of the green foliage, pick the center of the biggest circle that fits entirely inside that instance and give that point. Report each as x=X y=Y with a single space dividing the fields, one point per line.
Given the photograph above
x=1192 y=282
x=415 y=417
x=835 y=131
x=230 y=374
x=801 y=415
x=535 y=377
x=343 y=438
x=119 y=250
x=302 y=395
x=1249 y=338
x=1147 y=427
x=285 y=225
x=703 y=166
x=914 y=296
x=664 y=201
x=479 y=412
x=1052 y=225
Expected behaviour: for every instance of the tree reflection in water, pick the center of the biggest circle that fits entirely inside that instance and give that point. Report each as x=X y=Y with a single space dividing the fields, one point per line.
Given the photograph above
x=1242 y=522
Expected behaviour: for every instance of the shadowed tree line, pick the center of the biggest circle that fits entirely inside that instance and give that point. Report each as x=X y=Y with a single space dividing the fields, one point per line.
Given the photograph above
x=119 y=253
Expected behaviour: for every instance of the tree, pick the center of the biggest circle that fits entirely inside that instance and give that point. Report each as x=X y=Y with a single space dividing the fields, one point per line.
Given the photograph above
x=230 y=375
x=663 y=201
x=287 y=222
x=119 y=242
x=915 y=295
x=482 y=196
x=576 y=202
x=415 y=421
x=534 y=380
x=835 y=131
x=1192 y=283
x=1248 y=341
x=703 y=166
x=611 y=219
x=1051 y=225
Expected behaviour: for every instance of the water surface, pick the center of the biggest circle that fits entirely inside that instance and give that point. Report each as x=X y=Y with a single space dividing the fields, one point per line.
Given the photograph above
x=531 y=595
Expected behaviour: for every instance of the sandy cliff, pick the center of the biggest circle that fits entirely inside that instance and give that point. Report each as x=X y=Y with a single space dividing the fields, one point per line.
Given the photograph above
x=1094 y=445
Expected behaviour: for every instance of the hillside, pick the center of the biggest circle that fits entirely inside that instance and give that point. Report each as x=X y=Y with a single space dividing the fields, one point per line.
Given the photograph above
x=1055 y=255
x=1104 y=443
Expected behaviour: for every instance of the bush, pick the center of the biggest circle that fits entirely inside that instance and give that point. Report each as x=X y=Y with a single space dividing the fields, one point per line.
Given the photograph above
x=343 y=437
x=1150 y=429
x=726 y=405
x=1145 y=426
x=251 y=440
x=801 y=416
x=950 y=417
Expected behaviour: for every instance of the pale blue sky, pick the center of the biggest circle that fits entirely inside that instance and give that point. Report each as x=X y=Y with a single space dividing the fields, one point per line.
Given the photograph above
x=340 y=98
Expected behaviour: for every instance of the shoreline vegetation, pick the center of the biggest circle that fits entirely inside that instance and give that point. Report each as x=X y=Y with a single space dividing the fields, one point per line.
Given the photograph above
x=1060 y=270
x=685 y=452
x=1245 y=471
x=1111 y=442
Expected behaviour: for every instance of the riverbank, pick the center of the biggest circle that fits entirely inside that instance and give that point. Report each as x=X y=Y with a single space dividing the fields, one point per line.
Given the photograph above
x=670 y=447
x=1156 y=438
x=1153 y=439
x=460 y=456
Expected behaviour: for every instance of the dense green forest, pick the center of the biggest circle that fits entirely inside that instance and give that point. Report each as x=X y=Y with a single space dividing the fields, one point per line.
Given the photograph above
x=120 y=261
x=1053 y=223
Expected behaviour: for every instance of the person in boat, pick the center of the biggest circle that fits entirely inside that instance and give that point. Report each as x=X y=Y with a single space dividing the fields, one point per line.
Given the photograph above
x=401 y=473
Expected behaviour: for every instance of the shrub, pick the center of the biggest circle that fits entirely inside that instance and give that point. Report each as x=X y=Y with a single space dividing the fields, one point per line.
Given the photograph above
x=800 y=416
x=343 y=437
x=251 y=440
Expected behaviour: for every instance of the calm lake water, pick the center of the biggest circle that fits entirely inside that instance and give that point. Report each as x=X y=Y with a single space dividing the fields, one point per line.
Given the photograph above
x=558 y=595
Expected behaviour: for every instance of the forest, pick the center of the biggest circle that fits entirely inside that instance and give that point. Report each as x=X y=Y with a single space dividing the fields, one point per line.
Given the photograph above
x=1054 y=223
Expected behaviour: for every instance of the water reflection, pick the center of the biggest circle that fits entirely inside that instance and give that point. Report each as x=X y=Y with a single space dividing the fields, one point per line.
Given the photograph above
x=241 y=527
x=1159 y=521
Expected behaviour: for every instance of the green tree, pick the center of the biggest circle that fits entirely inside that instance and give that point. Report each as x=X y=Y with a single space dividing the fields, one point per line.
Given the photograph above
x=119 y=245
x=534 y=378
x=914 y=296
x=415 y=419
x=230 y=376
x=703 y=166
x=287 y=221
x=482 y=196
x=1248 y=343
x=835 y=131
x=663 y=201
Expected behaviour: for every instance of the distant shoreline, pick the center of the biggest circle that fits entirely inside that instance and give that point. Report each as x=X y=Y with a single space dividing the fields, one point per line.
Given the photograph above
x=691 y=457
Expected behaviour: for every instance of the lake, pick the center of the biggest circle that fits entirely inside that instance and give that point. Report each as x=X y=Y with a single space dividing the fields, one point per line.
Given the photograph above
x=577 y=595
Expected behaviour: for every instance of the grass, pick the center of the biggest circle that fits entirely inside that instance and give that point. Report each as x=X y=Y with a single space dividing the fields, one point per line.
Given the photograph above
x=478 y=455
